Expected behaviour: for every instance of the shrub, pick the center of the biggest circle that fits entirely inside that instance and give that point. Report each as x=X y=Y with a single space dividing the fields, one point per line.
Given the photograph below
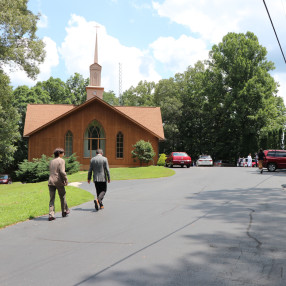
x=72 y=165
x=161 y=160
x=143 y=151
x=38 y=169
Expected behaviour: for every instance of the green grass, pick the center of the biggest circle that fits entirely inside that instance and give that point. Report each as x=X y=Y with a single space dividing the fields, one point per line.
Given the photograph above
x=20 y=202
x=128 y=173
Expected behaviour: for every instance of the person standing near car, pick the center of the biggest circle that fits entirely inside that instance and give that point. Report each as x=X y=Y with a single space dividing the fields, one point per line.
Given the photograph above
x=261 y=157
x=57 y=181
x=249 y=160
x=100 y=169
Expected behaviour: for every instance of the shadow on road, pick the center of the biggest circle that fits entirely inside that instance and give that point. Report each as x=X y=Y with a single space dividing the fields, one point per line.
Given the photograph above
x=257 y=256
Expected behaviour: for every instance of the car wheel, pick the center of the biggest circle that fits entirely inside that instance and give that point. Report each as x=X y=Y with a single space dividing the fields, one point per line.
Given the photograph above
x=182 y=166
x=271 y=167
x=188 y=166
x=171 y=165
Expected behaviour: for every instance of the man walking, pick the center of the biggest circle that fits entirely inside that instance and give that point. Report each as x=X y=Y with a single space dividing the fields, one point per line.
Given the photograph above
x=99 y=167
x=261 y=157
x=57 y=181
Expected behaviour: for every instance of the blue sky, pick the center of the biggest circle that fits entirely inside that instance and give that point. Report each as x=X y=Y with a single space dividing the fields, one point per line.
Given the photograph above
x=151 y=39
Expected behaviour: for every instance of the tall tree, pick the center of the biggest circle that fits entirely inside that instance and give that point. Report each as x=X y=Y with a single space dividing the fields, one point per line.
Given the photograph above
x=9 y=133
x=19 y=48
x=110 y=98
x=57 y=90
x=19 y=45
x=141 y=95
x=247 y=89
x=167 y=95
x=76 y=85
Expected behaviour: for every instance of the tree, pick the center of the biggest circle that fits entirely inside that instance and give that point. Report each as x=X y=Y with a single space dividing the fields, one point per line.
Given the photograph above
x=19 y=45
x=57 y=90
x=143 y=151
x=167 y=95
x=76 y=85
x=9 y=133
x=22 y=96
x=243 y=69
x=141 y=95
x=110 y=98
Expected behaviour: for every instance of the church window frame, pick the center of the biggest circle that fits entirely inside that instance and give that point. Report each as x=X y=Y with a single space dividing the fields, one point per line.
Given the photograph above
x=68 y=143
x=94 y=138
x=119 y=145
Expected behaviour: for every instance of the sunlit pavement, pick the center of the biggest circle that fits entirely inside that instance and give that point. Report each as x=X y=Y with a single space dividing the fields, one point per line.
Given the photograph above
x=203 y=226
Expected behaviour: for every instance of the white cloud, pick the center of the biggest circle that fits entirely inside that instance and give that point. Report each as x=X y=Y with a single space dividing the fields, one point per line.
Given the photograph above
x=178 y=54
x=19 y=77
x=77 y=50
x=43 y=21
x=210 y=19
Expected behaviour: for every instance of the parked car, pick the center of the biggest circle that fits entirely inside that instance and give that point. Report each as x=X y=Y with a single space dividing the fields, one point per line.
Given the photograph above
x=275 y=159
x=5 y=179
x=178 y=158
x=204 y=160
x=223 y=163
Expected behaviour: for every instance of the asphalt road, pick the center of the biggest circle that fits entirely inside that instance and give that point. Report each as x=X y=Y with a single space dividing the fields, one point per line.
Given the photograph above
x=202 y=226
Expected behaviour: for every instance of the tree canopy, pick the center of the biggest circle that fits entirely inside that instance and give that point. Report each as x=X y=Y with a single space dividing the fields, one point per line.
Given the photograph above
x=226 y=106
x=19 y=45
x=9 y=118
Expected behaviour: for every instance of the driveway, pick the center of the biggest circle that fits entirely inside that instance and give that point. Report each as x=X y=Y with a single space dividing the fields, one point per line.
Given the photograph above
x=202 y=226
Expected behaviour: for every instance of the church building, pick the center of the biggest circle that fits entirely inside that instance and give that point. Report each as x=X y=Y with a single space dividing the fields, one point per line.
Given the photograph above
x=94 y=124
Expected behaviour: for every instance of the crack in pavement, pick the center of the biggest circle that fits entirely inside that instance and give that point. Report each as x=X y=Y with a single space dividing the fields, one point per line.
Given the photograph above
x=259 y=243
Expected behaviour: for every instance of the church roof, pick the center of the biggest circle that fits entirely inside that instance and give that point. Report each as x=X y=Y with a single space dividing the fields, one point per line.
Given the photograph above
x=39 y=116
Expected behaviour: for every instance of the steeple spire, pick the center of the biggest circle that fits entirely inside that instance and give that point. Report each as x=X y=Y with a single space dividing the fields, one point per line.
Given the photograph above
x=96 y=49
x=94 y=88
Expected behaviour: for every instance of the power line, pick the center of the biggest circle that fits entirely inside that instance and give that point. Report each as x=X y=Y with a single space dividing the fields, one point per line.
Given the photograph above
x=274 y=30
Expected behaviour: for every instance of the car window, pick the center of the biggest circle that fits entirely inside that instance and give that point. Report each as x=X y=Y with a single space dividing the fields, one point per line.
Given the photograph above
x=280 y=154
x=205 y=157
x=4 y=177
x=179 y=154
x=271 y=154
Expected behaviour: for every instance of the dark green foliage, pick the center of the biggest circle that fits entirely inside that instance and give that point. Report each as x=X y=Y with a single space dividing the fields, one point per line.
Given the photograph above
x=110 y=98
x=161 y=160
x=9 y=117
x=143 y=151
x=72 y=165
x=38 y=169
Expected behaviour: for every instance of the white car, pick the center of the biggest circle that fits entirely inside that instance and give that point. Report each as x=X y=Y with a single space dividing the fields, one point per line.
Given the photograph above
x=205 y=160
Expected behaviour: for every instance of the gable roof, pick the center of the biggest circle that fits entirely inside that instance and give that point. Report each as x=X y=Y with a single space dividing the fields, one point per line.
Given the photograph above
x=39 y=116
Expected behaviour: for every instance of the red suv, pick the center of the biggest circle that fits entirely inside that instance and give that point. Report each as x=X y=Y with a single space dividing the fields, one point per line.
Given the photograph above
x=178 y=158
x=275 y=159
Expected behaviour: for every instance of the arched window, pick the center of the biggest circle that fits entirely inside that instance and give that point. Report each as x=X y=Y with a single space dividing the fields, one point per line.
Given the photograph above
x=94 y=138
x=119 y=145
x=68 y=144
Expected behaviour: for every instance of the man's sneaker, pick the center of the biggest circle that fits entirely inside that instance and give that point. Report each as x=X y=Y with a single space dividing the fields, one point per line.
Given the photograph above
x=51 y=218
x=96 y=204
x=102 y=207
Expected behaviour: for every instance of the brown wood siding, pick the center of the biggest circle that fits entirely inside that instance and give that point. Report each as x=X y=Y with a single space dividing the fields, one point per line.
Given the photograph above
x=47 y=139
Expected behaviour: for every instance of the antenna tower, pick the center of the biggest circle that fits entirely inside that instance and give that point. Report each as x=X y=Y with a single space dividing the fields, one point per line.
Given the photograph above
x=120 y=84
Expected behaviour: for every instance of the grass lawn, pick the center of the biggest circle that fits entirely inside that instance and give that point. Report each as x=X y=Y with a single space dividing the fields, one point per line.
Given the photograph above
x=19 y=202
x=128 y=173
